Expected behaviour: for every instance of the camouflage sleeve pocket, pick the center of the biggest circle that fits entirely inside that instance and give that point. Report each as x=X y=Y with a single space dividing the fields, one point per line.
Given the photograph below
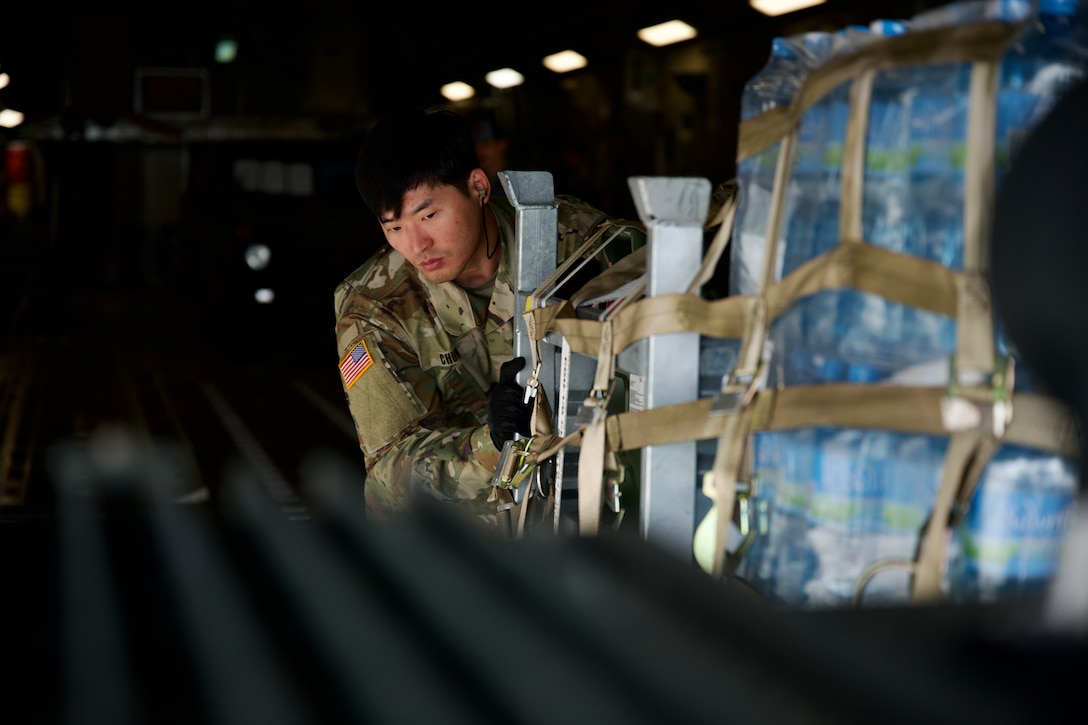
x=381 y=404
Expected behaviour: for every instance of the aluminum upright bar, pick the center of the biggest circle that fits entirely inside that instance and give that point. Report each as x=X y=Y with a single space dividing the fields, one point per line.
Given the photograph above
x=674 y=211
x=536 y=232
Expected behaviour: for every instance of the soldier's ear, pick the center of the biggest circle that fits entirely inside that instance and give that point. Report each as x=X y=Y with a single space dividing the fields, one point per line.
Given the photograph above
x=478 y=182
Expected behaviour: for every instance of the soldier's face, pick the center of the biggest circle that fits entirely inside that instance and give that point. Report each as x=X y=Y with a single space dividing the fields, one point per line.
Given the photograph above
x=440 y=233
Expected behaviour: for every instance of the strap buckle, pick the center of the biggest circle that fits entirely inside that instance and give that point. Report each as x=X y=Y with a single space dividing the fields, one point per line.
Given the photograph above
x=752 y=517
x=532 y=384
x=594 y=407
x=739 y=387
x=960 y=411
x=591 y=411
x=738 y=391
x=514 y=466
x=613 y=480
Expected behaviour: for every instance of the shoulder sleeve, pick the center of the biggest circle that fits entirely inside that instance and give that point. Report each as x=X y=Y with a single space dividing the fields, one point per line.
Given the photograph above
x=578 y=219
x=381 y=403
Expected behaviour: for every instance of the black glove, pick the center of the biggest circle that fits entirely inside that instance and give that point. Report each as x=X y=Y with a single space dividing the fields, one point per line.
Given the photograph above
x=507 y=414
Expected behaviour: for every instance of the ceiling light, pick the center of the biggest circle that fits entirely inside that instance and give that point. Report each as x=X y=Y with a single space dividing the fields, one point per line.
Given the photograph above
x=505 y=78
x=565 y=61
x=458 y=91
x=4 y=80
x=781 y=7
x=258 y=256
x=226 y=50
x=10 y=118
x=667 y=33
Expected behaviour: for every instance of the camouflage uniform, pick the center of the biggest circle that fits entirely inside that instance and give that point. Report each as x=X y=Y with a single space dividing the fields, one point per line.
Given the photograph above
x=416 y=369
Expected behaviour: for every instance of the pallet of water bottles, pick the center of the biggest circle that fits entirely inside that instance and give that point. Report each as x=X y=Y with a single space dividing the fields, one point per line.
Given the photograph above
x=867 y=167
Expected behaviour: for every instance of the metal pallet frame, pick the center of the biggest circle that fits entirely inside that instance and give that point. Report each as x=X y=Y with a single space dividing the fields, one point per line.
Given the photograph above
x=660 y=370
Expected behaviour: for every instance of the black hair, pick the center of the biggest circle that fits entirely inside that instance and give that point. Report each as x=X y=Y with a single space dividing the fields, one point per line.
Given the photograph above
x=412 y=148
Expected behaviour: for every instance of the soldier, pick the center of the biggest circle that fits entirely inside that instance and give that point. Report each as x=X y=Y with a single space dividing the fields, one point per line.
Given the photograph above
x=425 y=327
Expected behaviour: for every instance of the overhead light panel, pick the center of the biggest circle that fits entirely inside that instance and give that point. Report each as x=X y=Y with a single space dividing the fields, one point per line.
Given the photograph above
x=565 y=61
x=458 y=91
x=667 y=33
x=781 y=7
x=504 y=78
x=10 y=118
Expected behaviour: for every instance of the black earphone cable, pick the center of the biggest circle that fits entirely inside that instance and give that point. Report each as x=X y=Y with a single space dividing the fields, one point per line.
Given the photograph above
x=487 y=241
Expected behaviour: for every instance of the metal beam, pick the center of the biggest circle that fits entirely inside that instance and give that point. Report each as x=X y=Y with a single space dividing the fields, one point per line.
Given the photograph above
x=674 y=211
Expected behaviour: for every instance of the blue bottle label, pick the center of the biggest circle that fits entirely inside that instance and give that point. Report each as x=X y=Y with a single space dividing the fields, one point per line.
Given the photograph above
x=1015 y=532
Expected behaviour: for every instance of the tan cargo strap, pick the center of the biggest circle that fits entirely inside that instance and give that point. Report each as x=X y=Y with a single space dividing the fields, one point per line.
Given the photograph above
x=723 y=220
x=722 y=487
x=853 y=158
x=626 y=269
x=1038 y=421
x=782 y=169
x=898 y=277
x=724 y=318
x=964 y=449
x=591 y=462
x=594 y=244
x=540 y=422
x=975 y=331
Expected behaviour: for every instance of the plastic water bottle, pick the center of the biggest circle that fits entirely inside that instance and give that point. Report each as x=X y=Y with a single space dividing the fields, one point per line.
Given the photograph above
x=717 y=357
x=916 y=472
x=806 y=336
x=855 y=476
x=914 y=195
x=1051 y=56
x=887 y=154
x=1009 y=543
x=843 y=500
x=781 y=561
x=826 y=514
x=792 y=58
x=812 y=228
x=845 y=515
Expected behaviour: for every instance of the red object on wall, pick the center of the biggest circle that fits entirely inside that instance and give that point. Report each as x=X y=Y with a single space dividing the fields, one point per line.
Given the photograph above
x=17 y=162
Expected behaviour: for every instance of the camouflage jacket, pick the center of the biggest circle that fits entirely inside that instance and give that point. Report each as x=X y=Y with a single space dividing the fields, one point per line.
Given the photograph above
x=416 y=369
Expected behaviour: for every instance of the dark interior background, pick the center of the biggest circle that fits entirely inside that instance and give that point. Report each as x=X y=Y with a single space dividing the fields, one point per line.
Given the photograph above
x=124 y=295
x=135 y=186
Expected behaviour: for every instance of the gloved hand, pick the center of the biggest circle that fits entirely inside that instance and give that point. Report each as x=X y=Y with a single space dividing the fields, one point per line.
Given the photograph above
x=507 y=414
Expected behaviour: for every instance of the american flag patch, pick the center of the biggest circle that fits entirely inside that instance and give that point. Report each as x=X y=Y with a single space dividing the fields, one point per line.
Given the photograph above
x=355 y=363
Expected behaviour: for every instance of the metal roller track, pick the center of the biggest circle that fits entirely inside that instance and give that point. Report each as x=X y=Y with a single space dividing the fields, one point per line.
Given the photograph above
x=94 y=382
